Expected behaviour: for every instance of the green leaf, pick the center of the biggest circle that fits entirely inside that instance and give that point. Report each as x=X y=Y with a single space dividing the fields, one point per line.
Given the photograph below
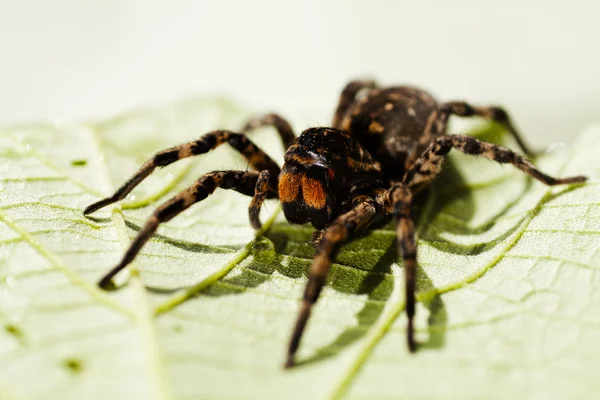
x=508 y=284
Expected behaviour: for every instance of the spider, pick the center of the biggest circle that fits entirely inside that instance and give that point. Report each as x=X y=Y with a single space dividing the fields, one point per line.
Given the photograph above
x=385 y=145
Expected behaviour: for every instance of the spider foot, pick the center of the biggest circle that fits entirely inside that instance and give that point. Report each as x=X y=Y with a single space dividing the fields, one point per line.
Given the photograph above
x=289 y=363
x=98 y=205
x=107 y=284
x=410 y=338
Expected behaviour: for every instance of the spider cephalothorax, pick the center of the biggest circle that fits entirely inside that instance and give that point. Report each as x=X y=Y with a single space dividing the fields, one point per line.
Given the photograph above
x=319 y=169
x=382 y=149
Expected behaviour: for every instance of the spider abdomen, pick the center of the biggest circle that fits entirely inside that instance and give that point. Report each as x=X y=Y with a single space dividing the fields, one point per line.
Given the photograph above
x=390 y=124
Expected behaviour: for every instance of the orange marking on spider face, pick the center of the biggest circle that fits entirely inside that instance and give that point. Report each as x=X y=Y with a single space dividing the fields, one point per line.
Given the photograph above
x=314 y=195
x=289 y=184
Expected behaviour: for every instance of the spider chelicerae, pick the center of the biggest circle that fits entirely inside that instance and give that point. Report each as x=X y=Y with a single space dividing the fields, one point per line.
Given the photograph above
x=385 y=145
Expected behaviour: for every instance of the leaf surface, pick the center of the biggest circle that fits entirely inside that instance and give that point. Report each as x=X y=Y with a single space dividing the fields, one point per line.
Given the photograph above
x=509 y=285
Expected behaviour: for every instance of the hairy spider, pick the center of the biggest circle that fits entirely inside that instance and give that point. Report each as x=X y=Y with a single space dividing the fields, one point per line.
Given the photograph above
x=383 y=148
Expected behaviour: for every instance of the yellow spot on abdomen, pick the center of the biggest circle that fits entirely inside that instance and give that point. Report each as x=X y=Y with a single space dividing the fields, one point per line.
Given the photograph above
x=376 y=127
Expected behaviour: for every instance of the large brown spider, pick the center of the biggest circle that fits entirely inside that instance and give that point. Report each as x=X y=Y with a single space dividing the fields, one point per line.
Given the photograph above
x=383 y=148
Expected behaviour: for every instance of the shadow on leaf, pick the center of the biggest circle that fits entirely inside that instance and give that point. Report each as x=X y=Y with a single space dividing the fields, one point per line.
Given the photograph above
x=364 y=266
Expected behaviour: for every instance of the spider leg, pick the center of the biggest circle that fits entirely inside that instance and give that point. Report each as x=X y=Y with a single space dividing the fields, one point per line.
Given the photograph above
x=282 y=126
x=240 y=181
x=258 y=159
x=428 y=165
x=316 y=237
x=266 y=186
x=355 y=220
x=438 y=124
x=347 y=97
x=398 y=200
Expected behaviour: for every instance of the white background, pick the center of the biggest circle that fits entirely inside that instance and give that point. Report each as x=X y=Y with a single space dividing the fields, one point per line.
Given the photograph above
x=78 y=59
